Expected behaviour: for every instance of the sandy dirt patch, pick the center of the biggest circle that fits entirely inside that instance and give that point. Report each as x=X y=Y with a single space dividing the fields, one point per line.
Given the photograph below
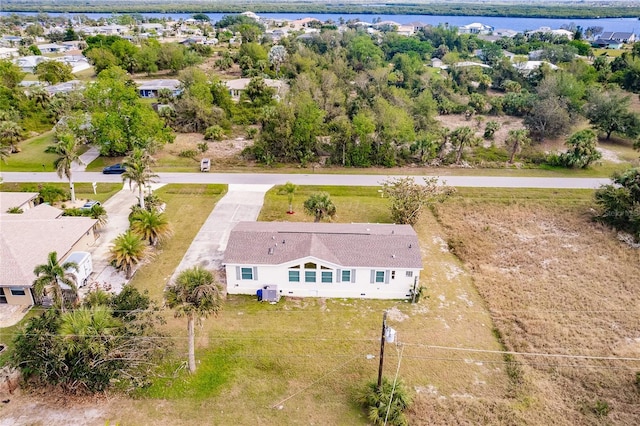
x=453 y=121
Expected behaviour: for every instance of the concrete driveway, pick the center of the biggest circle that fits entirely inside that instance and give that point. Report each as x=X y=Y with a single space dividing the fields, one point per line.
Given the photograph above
x=118 y=208
x=241 y=203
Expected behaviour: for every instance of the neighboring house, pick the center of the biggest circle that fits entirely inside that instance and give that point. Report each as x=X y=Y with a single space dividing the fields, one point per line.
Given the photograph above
x=29 y=63
x=151 y=88
x=548 y=30
x=65 y=87
x=607 y=44
x=374 y=261
x=8 y=52
x=526 y=67
x=10 y=41
x=621 y=37
x=237 y=86
x=465 y=64
x=437 y=63
x=77 y=62
x=21 y=200
x=27 y=239
x=52 y=48
x=505 y=33
x=475 y=28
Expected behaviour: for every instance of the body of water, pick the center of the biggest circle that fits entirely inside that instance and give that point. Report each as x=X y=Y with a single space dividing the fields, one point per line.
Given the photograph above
x=517 y=24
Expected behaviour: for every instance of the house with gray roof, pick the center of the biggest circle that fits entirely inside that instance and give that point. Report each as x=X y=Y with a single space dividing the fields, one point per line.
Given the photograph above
x=26 y=240
x=360 y=260
x=152 y=88
x=620 y=37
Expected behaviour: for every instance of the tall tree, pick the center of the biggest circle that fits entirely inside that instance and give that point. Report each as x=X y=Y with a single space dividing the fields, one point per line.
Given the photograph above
x=67 y=150
x=127 y=251
x=53 y=275
x=609 y=112
x=138 y=171
x=517 y=139
x=53 y=72
x=319 y=205
x=150 y=225
x=194 y=295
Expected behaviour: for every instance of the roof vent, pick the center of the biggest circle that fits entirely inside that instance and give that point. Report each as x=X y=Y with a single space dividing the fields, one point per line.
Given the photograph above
x=270 y=250
x=273 y=237
x=393 y=231
x=393 y=255
x=282 y=241
x=409 y=245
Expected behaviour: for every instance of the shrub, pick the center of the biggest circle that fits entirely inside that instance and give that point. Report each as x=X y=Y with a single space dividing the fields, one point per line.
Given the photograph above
x=50 y=194
x=15 y=210
x=490 y=129
x=188 y=153
x=385 y=405
x=203 y=147
x=214 y=132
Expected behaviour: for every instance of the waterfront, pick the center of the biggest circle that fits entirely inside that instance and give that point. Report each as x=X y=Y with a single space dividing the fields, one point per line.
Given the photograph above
x=518 y=24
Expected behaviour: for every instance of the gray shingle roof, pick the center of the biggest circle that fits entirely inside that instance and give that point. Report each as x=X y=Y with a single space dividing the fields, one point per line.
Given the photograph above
x=349 y=245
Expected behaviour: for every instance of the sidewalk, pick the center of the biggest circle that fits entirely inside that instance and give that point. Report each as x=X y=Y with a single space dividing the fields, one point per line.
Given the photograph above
x=241 y=203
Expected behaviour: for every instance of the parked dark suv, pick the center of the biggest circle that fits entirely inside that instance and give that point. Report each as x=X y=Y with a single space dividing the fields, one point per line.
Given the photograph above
x=115 y=169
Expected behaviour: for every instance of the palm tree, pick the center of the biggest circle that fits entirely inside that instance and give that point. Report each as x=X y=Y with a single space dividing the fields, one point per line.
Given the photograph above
x=99 y=213
x=10 y=134
x=138 y=171
x=150 y=225
x=127 y=251
x=87 y=329
x=53 y=275
x=462 y=137
x=516 y=140
x=320 y=205
x=67 y=149
x=289 y=189
x=5 y=150
x=196 y=295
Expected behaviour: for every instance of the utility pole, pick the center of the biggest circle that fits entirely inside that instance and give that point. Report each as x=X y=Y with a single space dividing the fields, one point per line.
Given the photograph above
x=382 y=339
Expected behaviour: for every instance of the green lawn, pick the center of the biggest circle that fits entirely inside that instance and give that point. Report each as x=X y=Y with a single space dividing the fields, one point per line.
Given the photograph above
x=188 y=206
x=301 y=361
x=32 y=157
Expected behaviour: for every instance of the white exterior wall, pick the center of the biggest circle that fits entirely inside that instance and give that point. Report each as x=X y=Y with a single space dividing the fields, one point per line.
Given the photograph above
x=396 y=285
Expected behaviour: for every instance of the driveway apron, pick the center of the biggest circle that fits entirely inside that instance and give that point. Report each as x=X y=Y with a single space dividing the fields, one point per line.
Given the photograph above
x=241 y=203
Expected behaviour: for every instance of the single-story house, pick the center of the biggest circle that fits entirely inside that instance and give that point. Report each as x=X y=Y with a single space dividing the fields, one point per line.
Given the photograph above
x=526 y=67
x=607 y=44
x=547 y=30
x=504 y=32
x=375 y=261
x=622 y=37
x=27 y=239
x=475 y=28
x=52 y=48
x=239 y=85
x=151 y=88
x=8 y=52
x=66 y=87
x=76 y=62
x=10 y=40
x=29 y=63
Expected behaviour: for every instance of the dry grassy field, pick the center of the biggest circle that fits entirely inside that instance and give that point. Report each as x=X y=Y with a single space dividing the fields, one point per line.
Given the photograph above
x=554 y=282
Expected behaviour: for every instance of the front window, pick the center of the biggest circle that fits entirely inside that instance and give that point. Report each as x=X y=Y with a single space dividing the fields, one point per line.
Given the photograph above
x=18 y=292
x=346 y=276
x=247 y=273
x=379 y=276
x=294 y=276
x=327 y=277
x=409 y=274
x=309 y=276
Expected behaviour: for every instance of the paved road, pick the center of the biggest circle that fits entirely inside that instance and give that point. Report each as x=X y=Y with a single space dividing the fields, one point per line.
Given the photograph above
x=240 y=203
x=320 y=179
